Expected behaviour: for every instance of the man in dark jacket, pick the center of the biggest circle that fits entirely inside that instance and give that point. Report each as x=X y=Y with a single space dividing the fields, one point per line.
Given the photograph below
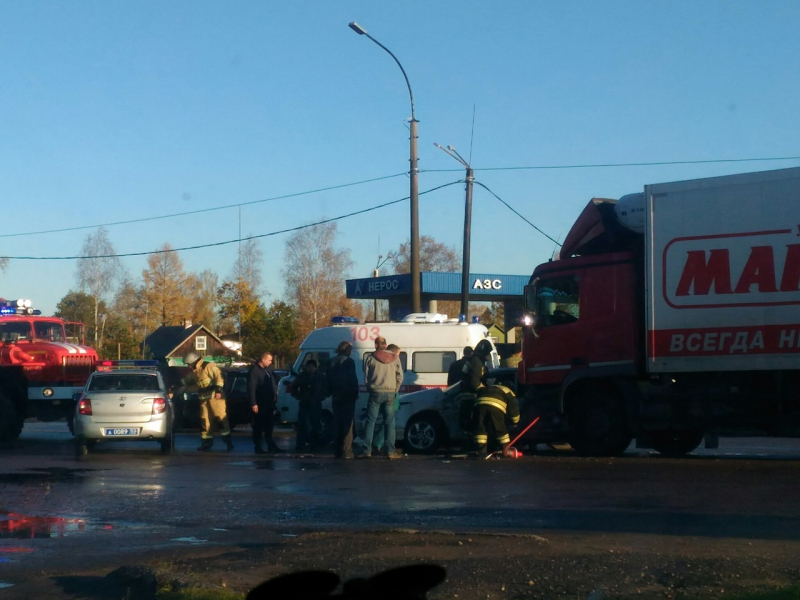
x=473 y=374
x=343 y=386
x=495 y=404
x=456 y=369
x=310 y=389
x=263 y=392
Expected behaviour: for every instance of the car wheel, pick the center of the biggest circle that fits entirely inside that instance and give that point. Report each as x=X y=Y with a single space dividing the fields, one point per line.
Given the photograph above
x=424 y=433
x=168 y=443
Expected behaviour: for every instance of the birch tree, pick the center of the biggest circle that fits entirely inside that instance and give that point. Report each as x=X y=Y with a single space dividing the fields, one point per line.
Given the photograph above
x=98 y=272
x=314 y=275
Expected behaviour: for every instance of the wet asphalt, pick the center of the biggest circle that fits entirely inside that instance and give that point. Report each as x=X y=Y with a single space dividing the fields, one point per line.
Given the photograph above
x=124 y=499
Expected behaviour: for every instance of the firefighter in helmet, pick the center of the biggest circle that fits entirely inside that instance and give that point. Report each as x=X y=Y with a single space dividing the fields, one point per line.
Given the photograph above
x=473 y=378
x=206 y=379
x=493 y=404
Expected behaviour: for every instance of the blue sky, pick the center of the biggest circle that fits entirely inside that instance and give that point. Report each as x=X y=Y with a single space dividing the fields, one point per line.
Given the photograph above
x=111 y=111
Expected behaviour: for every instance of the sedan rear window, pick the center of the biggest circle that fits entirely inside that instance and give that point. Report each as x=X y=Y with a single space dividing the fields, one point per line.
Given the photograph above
x=128 y=383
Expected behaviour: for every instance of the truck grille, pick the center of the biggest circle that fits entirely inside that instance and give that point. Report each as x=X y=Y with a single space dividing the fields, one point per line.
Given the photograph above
x=78 y=360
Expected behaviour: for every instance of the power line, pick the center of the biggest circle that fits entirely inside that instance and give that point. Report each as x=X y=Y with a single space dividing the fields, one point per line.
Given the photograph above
x=515 y=212
x=616 y=165
x=203 y=210
x=240 y=239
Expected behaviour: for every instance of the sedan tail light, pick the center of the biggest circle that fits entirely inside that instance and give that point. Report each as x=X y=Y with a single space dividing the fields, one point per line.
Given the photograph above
x=159 y=406
x=85 y=406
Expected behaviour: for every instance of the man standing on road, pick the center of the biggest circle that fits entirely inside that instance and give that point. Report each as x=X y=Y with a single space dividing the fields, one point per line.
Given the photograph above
x=343 y=387
x=457 y=368
x=263 y=392
x=309 y=389
x=378 y=438
x=207 y=380
x=383 y=376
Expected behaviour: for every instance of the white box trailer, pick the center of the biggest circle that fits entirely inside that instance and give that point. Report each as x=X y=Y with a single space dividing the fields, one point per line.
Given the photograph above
x=723 y=273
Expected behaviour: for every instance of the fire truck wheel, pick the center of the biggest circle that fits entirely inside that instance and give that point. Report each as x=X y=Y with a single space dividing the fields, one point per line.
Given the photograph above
x=424 y=433
x=599 y=424
x=10 y=420
x=676 y=443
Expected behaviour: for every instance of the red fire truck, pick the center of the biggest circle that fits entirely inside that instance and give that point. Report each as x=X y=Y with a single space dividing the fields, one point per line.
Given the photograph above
x=671 y=315
x=41 y=367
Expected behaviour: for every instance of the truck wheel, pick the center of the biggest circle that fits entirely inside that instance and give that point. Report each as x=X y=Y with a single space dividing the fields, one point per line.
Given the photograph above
x=676 y=443
x=424 y=434
x=10 y=420
x=599 y=425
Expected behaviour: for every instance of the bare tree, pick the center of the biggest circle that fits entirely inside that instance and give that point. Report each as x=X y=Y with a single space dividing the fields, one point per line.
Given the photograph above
x=3 y=264
x=165 y=291
x=433 y=256
x=96 y=275
x=314 y=275
x=248 y=264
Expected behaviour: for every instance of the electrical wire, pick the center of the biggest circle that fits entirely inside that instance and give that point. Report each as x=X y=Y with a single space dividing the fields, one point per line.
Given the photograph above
x=251 y=237
x=515 y=212
x=203 y=210
x=616 y=165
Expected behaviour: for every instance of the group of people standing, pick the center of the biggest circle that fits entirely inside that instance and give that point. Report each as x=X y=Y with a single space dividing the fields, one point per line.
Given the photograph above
x=483 y=409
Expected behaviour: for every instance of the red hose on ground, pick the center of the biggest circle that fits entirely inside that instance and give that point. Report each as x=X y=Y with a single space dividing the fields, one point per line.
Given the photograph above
x=514 y=441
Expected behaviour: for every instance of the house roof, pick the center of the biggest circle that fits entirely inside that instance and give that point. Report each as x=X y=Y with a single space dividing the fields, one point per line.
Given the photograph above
x=168 y=338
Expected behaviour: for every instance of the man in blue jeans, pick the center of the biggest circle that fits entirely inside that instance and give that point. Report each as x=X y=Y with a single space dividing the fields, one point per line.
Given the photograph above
x=383 y=376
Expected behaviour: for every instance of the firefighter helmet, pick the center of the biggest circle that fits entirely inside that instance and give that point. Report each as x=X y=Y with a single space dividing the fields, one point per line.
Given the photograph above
x=484 y=348
x=191 y=358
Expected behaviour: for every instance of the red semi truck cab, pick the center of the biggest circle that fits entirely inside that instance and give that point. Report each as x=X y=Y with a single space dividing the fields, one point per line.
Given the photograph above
x=671 y=314
x=55 y=365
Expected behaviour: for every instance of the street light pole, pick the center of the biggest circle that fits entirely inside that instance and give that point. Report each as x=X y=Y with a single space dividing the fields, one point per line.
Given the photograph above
x=416 y=301
x=467 y=228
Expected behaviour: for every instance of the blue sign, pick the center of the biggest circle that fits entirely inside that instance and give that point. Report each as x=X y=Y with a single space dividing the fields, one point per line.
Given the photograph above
x=379 y=287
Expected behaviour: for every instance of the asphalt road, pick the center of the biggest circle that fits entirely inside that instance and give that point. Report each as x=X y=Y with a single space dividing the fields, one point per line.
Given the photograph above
x=127 y=498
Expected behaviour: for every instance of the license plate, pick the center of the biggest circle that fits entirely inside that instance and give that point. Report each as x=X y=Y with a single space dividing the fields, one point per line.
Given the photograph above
x=122 y=431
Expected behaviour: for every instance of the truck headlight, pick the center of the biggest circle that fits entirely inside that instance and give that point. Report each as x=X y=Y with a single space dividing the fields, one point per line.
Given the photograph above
x=47 y=392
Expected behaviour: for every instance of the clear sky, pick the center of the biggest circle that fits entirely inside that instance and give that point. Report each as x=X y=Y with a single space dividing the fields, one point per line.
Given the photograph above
x=111 y=111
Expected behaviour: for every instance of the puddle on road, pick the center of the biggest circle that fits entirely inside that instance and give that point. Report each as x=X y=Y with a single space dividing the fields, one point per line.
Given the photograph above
x=189 y=540
x=46 y=475
x=17 y=526
x=5 y=585
x=278 y=465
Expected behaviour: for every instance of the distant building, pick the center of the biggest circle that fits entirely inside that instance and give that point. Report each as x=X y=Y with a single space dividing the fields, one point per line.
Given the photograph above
x=169 y=344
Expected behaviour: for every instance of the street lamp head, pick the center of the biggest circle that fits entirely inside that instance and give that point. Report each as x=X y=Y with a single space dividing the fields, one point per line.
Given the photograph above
x=357 y=28
x=439 y=146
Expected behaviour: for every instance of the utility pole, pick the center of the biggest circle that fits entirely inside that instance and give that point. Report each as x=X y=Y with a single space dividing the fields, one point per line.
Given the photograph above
x=467 y=228
x=416 y=293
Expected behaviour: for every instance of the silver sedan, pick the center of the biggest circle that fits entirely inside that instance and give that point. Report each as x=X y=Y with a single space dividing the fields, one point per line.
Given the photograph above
x=124 y=405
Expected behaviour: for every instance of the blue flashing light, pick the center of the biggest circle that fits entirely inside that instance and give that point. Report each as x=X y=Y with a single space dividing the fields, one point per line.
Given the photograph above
x=340 y=320
x=7 y=310
x=476 y=319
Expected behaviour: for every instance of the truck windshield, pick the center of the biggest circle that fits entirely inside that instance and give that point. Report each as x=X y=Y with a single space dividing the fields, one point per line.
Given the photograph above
x=557 y=301
x=10 y=332
x=49 y=331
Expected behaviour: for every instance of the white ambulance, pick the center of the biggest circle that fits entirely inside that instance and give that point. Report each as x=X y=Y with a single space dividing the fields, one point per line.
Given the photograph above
x=429 y=344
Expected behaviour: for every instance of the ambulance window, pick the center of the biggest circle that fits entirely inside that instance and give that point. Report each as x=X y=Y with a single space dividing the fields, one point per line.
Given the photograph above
x=432 y=362
x=557 y=301
x=321 y=359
